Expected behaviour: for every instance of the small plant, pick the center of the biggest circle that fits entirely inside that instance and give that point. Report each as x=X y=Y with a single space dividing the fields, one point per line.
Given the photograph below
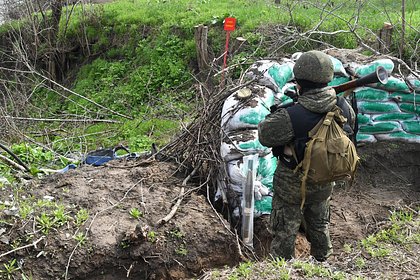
x=45 y=223
x=244 y=269
x=9 y=268
x=25 y=210
x=360 y=263
x=125 y=244
x=176 y=233
x=347 y=248
x=151 y=236
x=135 y=213
x=80 y=238
x=81 y=217
x=60 y=215
x=182 y=251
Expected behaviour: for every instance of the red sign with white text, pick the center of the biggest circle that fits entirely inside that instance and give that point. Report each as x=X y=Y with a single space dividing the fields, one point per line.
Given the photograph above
x=230 y=24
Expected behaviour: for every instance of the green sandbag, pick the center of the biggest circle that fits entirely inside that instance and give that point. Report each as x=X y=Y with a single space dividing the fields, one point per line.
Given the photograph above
x=363 y=119
x=371 y=94
x=267 y=165
x=394 y=84
x=380 y=127
x=281 y=74
x=264 y=205
x=254 y=116
x=338 y=81
x=266 y=168
x=252 y=145
x=377 y=107
x=405 y=97
x=393 y=117
x=400 y=135
x=371 y=67
x=411 y=108
x=365 y=138
x=411 y=126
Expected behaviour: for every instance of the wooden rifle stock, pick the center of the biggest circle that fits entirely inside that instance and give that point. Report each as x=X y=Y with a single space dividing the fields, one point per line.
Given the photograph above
x=380 y=75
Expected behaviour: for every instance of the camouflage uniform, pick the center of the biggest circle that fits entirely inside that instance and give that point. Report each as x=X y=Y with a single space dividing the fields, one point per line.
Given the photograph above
x=286 y=215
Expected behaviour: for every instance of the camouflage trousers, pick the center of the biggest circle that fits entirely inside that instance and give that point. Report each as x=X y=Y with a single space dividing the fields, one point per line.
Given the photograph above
x=285 y=221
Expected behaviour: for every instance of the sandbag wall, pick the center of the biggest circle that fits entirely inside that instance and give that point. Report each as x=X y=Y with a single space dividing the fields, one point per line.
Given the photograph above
x=385 y=112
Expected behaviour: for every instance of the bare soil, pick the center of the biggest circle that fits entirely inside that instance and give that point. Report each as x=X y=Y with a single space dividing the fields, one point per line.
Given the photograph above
x=195 y=239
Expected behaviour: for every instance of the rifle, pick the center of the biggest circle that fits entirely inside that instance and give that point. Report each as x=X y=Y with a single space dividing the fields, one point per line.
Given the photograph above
x=380 y=75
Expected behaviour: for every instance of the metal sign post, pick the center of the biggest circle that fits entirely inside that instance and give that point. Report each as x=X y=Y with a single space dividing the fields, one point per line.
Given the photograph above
x=229 y=25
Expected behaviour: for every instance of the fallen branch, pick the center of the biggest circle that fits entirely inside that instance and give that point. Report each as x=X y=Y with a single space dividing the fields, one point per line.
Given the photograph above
x=12 y=163
x=33 y=244
x=180 y=197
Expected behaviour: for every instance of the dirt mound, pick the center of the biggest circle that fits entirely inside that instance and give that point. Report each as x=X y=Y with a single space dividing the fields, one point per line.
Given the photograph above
x=113 y=242
x=117 y=245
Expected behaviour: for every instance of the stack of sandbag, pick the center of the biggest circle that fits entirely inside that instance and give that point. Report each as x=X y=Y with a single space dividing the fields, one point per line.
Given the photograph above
x=385 y=112
x=389 y=111
x=241 y=113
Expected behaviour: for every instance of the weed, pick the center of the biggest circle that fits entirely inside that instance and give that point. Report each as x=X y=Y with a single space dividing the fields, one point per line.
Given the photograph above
x=46 y=223
x=80 y=238
x=360 y=263
x=9 y=268
x=135 y=213
x=25 y=210
x=347 y=248
x=125 y=244
x=244 y=269
x=81 y=217
x=182 y=251
x=176 y=233
x=60 y=215
x=151 y=236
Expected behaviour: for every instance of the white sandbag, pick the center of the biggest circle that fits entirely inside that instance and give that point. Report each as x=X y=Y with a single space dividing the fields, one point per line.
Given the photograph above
x=246 y=108
x=259 y=70
x=237 y=144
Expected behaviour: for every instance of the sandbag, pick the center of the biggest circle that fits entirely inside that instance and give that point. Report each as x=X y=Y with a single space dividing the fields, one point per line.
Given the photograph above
x=393 y=116
x=410 y=108
x=363 y=119
x=394 y=84
x=380 y=127
x=377 y=107
x=405 y=97
x=365 y=138
x=364 y=70
x=241 y=112
x=412 y=127
x=371 y=94
x=237 y=144
x=399 y=136
x=281 y=74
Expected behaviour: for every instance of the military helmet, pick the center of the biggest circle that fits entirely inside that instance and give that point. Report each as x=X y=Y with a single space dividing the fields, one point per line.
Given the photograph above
x=314 y=66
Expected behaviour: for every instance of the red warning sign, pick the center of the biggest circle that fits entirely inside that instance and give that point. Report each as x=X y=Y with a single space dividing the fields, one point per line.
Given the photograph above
x=230 y=24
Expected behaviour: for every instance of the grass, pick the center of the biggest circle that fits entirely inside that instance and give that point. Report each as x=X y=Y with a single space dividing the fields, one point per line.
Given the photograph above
x=377 y=256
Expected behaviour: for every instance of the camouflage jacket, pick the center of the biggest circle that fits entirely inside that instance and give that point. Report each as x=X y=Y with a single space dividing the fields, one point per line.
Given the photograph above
x=277 y=130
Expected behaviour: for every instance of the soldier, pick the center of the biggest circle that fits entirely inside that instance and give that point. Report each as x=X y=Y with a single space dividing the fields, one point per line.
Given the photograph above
x=286 y=130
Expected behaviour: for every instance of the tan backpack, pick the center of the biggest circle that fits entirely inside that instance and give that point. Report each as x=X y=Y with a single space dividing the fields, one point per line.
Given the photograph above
x=330 y=155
